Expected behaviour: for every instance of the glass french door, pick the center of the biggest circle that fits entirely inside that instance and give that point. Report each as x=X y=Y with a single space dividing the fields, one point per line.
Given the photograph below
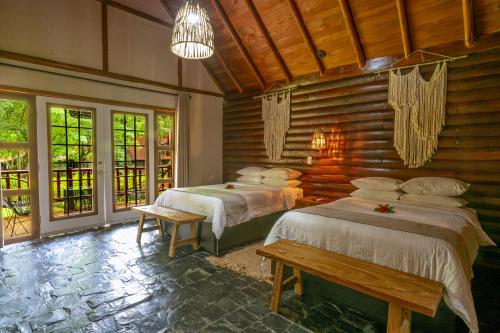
x=19 y=212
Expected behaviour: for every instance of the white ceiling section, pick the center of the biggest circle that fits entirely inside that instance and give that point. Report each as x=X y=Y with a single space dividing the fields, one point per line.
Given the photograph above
x=151 y=7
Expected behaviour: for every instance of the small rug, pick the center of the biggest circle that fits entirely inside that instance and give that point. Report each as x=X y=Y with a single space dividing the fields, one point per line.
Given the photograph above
x=245 y=262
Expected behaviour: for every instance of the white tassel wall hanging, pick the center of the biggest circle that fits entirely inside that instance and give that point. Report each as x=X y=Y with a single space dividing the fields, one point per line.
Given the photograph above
x=419 y=113
x=276 y=116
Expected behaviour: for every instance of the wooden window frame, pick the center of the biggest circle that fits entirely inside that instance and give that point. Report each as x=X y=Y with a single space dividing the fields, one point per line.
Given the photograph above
x=158 y=148
x=32 y=146
x=95 y=191
x=113 y=161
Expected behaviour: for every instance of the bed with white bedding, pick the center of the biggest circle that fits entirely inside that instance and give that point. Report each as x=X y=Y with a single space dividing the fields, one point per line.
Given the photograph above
x=410 y=252
x=228 y=208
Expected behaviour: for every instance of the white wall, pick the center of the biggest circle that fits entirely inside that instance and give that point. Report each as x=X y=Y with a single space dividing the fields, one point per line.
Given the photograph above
x=69 y=31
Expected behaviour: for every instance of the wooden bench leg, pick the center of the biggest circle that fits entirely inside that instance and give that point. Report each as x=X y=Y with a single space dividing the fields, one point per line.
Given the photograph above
x=139 y=228
x=277 y=287
x=196 y=246
x=298 y=283
x=171 y=251
x=399 y=320
x=160 y=227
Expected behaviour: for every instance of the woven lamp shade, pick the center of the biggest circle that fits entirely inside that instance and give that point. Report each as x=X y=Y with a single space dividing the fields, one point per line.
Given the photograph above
x=192 y=36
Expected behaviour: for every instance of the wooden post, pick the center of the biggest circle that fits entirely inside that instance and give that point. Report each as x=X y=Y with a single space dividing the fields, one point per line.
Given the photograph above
x=277 y=287
x=194 y=236
x=104 y=33
x=298 y=284
x=171 y=250
x=399 y=319
x=139 y=229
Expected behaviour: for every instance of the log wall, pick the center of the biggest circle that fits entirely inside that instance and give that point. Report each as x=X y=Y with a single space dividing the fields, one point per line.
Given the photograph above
x=355 y=116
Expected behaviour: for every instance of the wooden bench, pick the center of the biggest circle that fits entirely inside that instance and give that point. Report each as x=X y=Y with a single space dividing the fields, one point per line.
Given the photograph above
x=404 y=292
x=173 y=216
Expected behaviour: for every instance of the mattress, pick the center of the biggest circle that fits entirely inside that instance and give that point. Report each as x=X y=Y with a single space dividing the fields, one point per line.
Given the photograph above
x=260 y=200
x=409 y=252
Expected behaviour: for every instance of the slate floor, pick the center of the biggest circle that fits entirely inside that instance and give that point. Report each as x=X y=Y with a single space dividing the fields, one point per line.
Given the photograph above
x=102 y=281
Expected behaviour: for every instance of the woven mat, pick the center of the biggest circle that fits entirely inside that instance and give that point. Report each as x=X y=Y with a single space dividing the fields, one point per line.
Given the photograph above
x=245 y=262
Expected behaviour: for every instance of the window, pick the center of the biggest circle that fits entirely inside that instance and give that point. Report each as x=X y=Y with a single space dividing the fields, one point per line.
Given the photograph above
x=130 y=154
x=164 y=151
x=72 y=161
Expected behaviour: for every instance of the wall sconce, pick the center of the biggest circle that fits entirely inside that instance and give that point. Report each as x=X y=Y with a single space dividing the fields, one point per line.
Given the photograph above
x=318 y=142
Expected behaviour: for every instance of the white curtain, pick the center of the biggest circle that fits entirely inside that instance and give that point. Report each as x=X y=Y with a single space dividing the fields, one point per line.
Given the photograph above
x=182 y=140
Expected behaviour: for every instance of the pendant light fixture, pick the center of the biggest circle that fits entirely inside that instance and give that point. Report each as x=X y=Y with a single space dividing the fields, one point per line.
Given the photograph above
x=192 y=36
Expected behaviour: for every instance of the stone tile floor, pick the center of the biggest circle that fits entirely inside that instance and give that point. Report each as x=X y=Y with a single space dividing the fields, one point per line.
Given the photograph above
x=103 y=281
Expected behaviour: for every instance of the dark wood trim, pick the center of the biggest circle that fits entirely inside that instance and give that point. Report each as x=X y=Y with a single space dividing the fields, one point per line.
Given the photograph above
x=212 y=76
x=46 y=93
x=234 y=34
x=403 y=26
x=167 y=9
x=353 y=34
x=270 y=43
x=99 y=72
x=468 y=14
x=305 y=34
x=228 y=71
x=104 y=33
x=179 y=72
x=137 y=13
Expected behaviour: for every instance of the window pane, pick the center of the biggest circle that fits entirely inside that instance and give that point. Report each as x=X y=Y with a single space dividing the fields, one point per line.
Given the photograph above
x=129 y=159
x=13 y=120
x=165 y=129
x=72 y=153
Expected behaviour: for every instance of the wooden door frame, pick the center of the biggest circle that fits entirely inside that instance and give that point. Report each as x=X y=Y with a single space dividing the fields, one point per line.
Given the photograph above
x=33 y=168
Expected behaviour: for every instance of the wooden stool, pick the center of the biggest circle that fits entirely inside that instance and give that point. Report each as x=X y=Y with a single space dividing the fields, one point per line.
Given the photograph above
x=174 y=216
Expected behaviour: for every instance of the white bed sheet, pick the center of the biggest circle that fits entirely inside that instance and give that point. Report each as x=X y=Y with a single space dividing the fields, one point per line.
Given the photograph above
x=261 y=200
x=408 y=252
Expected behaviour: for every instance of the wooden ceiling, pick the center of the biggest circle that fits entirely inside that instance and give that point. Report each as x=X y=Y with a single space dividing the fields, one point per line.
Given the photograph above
x=259 y=42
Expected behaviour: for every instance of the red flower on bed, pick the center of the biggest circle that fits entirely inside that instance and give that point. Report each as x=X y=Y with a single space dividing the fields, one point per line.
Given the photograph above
x=384 y=209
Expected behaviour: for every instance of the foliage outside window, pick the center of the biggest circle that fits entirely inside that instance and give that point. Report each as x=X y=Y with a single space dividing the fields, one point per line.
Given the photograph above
x=164 y=151
x=130 y=152
x=72 y=161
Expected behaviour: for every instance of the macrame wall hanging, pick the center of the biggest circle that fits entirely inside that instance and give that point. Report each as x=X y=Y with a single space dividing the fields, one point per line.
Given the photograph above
x=276 y=116
x=419 y=113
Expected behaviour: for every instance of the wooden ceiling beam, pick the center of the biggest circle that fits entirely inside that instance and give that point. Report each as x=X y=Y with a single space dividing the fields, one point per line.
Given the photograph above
x=345 y=9
x=270 y=43
x=138 y=13
x=239 y=43
x=305 y=34
x=403 y=26
x=468 y=14
x=228 y=71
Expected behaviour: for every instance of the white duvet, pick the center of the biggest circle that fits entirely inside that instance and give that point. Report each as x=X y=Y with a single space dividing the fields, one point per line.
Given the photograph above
x=261 y=200
x=413 y=253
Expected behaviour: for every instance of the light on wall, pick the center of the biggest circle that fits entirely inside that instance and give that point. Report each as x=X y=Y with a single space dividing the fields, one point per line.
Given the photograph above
x=192 y=35
x=318 y=140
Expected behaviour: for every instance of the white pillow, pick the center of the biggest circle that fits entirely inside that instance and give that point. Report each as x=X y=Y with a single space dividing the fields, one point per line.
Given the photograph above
x=250 y=179
x=435 y=200
x=281 y=182
x=251 y=171
x=282 y=173
x=435 y=186
x=376 y=195
x=377 y=183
